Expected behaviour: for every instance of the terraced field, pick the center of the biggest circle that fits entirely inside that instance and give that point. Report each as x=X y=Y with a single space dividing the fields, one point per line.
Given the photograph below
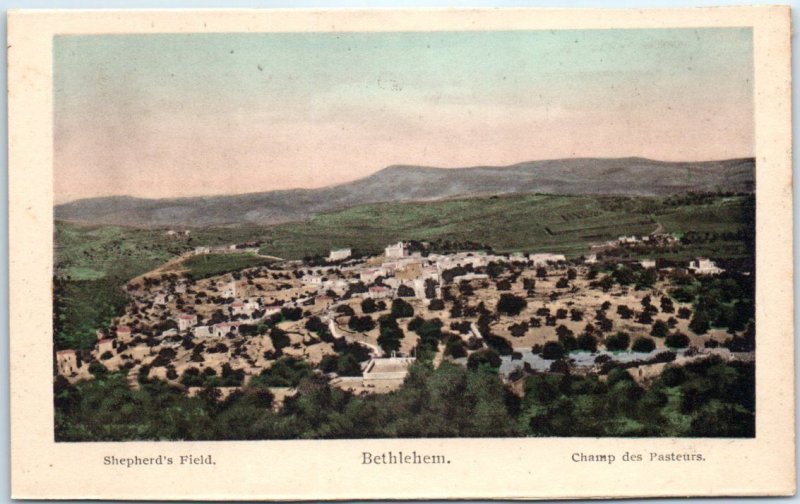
x=524 y=223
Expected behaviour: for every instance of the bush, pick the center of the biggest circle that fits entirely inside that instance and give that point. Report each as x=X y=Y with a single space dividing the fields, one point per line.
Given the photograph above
x=700 y=323
x=510 y=304
x=677 y=340
x=455 y=348
x=618 y=342
x=345 y=310
x=405 y=291
x=284 y=372
x=644 y=345
x=587 y=343
x=361 y=324
x=402 y=309
x=483 y=359
x=368 y=305
x=436 y=304
x=552 y=351
x=660 y=329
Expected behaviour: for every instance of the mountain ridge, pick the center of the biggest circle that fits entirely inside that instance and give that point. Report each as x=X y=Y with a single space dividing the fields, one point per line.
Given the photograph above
x=632 y=176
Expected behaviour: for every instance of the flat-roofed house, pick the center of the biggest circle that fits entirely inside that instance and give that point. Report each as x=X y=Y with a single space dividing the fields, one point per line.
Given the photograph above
x=379 y=292
x=223 y=328
x=395 y=251
x=704 y=266
x=123 y=332
x=340 y=254
x=202 y=331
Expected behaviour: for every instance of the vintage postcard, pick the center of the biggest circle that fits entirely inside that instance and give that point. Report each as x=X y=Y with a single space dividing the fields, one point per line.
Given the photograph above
x=363 y=254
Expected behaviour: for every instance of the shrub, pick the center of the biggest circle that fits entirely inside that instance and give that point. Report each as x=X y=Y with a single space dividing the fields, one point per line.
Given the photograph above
x=587 y=342
x=552 y=350
x=511 y=304
x=644 y=345
x=402 y=309
x=618 y=342
x=660 y=329
x=483 y=358
x=677 y=340
x=436 y=304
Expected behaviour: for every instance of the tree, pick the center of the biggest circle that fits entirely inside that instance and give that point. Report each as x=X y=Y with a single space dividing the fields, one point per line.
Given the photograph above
x=684 y=313
x=541 y=272
x=503 y=285
x=644 y=345
x=368 y=305
x=576 y=315
x=677 y=340
x=401 y=309
x=390 y=337
x=572 y=274
x=587 y=343
x=700 y=323
x=624 y=312
x=346 y=310
x=486 y=358
x=618 y=342
x=361 y=324
x=405 y=291
x=660 y=329
x=510 y=304
x=645 y=318
x=436 y=304
x=552 y=351
x=562 y=283
x=455 y=348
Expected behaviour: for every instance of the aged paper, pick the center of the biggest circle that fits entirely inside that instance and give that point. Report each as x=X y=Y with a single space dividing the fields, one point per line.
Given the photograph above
x=367 y=254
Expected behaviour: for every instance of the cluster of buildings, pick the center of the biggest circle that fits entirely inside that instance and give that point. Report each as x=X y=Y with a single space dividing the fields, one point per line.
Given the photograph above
x=175 y=316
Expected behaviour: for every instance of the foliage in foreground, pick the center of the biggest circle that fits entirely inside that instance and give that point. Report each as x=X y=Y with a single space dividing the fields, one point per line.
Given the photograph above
x=707 y=399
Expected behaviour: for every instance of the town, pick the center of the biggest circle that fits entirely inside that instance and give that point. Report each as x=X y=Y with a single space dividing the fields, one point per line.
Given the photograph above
x=362 y=321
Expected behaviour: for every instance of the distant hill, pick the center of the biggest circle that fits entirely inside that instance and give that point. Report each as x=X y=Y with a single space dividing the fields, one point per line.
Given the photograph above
x=624 y=176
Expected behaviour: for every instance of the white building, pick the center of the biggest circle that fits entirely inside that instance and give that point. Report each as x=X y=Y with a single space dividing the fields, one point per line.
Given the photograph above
x=703 y=266
x=395 y=251
x=340 y=254
x=379 y=292
x=186 y=321
x=591 y=259
x=224 y=328
x=202 y=331
x=270 y=310
x=105 y=345
x=202 y=250
x=648 y=263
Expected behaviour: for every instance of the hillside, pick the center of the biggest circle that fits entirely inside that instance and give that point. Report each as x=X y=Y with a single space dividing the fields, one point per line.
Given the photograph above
x=625 y=176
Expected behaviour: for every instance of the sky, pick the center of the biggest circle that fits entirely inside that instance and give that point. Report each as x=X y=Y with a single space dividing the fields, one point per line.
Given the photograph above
x=173 y=115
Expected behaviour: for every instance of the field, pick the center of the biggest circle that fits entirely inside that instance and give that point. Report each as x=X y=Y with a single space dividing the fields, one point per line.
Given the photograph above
x=209 y=265
x=518 y=223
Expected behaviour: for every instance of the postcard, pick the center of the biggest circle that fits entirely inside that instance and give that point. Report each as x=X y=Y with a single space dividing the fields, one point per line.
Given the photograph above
x=401 y=254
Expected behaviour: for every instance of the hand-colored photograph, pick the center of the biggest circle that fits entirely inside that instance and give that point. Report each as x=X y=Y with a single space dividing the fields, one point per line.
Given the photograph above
x=430 y=234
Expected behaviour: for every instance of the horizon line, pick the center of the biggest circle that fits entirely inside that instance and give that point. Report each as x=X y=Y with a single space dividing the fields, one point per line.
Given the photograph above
x=401 y=165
